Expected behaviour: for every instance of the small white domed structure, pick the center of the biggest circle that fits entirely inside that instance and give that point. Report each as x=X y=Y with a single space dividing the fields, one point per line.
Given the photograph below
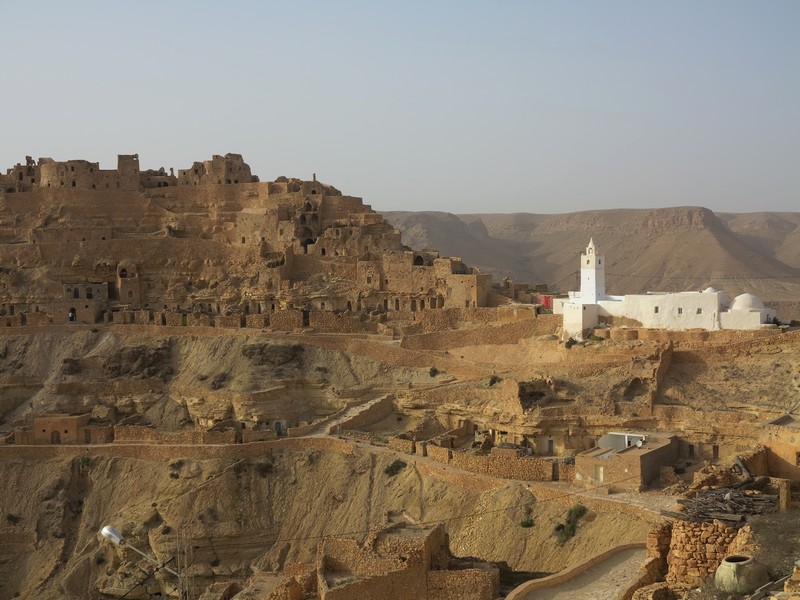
x=747 y=302
x=710 y=290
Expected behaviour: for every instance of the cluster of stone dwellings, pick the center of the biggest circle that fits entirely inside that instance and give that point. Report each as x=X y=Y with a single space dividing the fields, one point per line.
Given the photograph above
x=215 y=241
x=85 y=175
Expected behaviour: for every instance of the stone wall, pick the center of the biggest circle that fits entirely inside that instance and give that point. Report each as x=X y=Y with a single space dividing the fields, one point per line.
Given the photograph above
x=260 y=435
x=566 y=472
x=138 y=434
x=329 y=322
x=370 y=415
x=524 y=468
x=167 y=452
x=508 y=333
x=232 y=321
x=439 y=454
x=38 y=319
x=756 y=460
x=255 y=321
x=286 y=320
x=696 y=550
x=506 y=465
x=465 y=584
x=693 y=336
x=401 y=444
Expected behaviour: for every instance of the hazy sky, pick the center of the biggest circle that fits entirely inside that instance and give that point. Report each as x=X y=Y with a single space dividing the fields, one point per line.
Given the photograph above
x=460 y=106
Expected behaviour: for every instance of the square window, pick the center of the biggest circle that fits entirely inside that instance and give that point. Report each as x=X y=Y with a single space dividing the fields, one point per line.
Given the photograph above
x=699 y=311
x=680 y=310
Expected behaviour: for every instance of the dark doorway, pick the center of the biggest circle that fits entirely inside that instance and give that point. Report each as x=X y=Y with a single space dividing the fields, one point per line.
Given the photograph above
x=55 y=438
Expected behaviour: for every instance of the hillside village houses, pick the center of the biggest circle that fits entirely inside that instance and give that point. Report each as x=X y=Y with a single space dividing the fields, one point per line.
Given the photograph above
x=708 y=309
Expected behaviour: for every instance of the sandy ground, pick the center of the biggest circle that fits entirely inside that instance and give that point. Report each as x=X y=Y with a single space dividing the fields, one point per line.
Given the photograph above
x=606 y=581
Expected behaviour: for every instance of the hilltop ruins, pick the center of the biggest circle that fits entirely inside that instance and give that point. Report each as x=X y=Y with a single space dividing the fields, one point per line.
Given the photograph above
x=265 y=368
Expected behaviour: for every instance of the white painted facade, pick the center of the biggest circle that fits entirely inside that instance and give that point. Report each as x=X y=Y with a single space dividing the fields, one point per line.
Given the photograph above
x=593 y=275
x=708 y=309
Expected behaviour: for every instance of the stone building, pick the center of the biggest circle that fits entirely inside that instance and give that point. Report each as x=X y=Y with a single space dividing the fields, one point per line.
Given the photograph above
x=402 y=561
x=65 y=429
x=627 y=461
x=228 y=169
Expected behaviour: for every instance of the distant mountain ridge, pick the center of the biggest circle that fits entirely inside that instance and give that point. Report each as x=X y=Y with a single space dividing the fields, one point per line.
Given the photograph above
x=665 y=249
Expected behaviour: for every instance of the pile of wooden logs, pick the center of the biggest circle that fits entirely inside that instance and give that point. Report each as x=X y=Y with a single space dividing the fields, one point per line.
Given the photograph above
x=730 y=504
x=726 y=504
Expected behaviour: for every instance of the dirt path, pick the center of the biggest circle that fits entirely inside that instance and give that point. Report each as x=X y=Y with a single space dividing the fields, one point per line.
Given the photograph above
x=606 y=581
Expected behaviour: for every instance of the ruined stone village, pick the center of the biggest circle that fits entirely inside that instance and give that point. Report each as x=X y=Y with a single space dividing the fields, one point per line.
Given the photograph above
x=268 y=396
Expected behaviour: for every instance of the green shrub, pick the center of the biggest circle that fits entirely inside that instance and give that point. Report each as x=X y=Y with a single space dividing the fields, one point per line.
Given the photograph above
x=85 y=462
x=596 y=338
x=433 y=372
x=264 y=468
x=13 y=519
x=394 y=468
x=570 y=343
x=564 y=531
x=576 y=512
x=526 y=523
x=494 y=379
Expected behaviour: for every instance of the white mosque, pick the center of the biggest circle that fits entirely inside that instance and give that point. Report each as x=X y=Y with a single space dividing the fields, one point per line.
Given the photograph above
x=709 y=309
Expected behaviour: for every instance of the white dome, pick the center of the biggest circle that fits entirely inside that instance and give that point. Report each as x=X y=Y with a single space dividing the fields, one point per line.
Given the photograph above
x=747 y=302
x=710 y=290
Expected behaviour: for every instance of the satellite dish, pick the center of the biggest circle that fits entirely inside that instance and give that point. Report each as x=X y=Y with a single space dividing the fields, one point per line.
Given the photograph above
x=638 y=443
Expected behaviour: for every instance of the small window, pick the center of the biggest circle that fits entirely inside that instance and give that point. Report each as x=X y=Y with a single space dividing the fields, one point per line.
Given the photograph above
x=655 y=309
x=369 y=279
x=587 y=261
x=680 y=310
x=699 y=311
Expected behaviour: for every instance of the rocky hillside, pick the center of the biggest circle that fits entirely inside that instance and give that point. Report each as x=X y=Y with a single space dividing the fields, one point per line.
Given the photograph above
x=670 y=249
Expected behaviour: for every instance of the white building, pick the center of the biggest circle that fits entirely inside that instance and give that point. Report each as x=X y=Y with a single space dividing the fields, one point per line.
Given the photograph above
x=709 y=309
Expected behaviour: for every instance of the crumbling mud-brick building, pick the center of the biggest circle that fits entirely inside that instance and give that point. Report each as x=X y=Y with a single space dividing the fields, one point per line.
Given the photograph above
x=81 y=243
